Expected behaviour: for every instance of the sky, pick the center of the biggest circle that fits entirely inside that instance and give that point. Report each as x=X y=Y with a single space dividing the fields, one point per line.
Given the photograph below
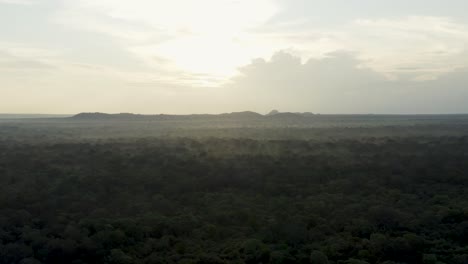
x=216 y=56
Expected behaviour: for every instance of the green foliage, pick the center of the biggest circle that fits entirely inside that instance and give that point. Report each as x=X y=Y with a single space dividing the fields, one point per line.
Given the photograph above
x=317 y=257
x=215 y=200
x=117 y=256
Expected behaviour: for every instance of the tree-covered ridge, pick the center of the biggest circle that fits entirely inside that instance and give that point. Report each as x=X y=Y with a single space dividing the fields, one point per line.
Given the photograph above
x=381 y=200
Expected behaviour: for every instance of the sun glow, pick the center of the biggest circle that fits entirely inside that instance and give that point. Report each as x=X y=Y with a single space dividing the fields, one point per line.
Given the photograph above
x=211 y=37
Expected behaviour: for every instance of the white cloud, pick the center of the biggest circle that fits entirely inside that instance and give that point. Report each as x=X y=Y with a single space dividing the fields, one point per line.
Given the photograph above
x=198 y=17
x=339 y=83
x=420 y=47
x=207 y=37
x=178 y=54
x=24 y=50
x=17 y=56
x=215 y=37
x=285 y=82
x=17 y=2
x=424 y=46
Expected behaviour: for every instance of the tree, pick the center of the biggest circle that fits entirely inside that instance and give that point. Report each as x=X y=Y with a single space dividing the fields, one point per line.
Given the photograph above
x=317 y=257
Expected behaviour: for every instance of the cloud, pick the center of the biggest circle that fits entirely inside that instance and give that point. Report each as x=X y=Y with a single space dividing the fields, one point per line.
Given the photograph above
x=341 y=83
x=16 y=56
x=422 y=46
x=17 y=2
x=226 y=34
x=432 y=45
x=182 y=33
x=288 y=83
x=186 y=56
x=182 y=16
x=8 y=62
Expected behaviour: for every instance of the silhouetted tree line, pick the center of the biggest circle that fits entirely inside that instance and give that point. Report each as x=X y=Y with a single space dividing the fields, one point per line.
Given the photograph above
x=375 y=200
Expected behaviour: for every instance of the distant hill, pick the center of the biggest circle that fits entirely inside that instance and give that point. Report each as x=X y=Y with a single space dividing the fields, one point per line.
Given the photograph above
x=273 y=112
x=129 y=116
x=241 y=115
x=242 y=123
x=273 y=119
x=286 y=115
x=97 y=115
x=234 y=119
x=245 y=114
x=23 y=116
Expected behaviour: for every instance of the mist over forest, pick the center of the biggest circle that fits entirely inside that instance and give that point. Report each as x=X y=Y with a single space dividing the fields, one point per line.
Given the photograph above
x=234 y=188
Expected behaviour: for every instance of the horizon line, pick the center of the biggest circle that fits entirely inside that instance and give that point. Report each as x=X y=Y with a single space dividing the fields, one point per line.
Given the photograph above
x=220 y=113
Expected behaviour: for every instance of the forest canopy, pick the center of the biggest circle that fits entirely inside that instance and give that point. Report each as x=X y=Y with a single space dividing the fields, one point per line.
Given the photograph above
x=377 y=195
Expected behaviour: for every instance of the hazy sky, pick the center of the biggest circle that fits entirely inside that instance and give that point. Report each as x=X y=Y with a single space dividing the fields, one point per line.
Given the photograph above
x=212 y=56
